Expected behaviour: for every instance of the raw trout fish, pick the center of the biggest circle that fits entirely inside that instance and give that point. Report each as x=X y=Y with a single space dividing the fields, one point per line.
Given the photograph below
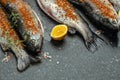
x=63 y=12
x=101 y=11
x=10 y=41
x=26 y=23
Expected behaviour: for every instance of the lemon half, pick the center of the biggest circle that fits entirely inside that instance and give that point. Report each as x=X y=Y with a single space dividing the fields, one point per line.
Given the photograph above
x=59 y=32
x=119 y=13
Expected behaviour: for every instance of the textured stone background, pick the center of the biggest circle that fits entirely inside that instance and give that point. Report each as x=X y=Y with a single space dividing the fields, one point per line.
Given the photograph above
x=70 y=59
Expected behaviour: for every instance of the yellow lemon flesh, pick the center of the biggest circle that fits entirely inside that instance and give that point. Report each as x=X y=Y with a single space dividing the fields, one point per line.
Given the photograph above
x=59 y=32
x=119 y=13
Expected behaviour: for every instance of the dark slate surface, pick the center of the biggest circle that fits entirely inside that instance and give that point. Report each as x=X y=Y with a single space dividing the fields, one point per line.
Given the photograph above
x=70 y=59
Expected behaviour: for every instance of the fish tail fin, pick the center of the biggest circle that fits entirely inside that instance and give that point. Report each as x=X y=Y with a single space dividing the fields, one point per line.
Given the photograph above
x=93 y=44
x=23 y=62
x=99 y=41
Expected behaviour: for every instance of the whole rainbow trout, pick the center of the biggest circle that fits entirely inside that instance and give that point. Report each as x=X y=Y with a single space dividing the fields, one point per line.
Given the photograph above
x=9 y=41
x=101 y=11
x=63 y=12
x=26 y=23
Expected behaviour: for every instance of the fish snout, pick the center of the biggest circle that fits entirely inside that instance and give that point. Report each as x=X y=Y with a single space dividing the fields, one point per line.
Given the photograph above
x=36 y=45
x=33 y=45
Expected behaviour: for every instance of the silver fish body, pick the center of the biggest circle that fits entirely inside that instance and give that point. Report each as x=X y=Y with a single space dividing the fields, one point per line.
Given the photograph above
x=116 y=4
x=26 y=23
x=10 y=41
x=63 y=12
x=101 y=11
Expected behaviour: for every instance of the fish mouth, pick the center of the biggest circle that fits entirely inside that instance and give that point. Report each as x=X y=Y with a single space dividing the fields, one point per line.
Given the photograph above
x=33 y=45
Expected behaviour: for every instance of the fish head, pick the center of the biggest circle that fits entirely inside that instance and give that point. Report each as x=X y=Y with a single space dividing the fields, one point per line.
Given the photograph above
x=34 y=41
x=110 y=23
x=115 y=23
x=34 y=44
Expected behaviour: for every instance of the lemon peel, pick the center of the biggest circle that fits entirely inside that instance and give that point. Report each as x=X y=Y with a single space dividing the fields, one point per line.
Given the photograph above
x=59 y=32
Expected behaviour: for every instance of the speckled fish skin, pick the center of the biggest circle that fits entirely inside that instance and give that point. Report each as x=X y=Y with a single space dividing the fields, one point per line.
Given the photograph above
x=10 y=40
x=100 y=11
x=26 y=23
x=116 y=4
x=63 y=12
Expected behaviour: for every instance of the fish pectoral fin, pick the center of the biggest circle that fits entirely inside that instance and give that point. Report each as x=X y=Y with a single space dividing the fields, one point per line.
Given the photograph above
x=7 y=57
x=91 y=46
x=98 y=32
x=6 y=51
x=23 y=62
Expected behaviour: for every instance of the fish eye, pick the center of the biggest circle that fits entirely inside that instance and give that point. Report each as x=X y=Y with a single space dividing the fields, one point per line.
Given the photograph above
x=113 y=21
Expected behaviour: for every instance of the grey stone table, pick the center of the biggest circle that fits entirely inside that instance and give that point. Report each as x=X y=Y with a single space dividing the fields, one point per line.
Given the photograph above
x=70 y=59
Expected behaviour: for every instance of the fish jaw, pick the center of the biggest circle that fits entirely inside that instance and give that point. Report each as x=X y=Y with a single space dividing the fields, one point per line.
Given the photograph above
x=107 y=17
x=33 y=44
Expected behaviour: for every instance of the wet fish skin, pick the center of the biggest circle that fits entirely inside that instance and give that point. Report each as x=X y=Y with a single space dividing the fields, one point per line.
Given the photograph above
x=66 y=14
x=116 y=4
x=26 y=23
x=10 y=41
x=100 y=11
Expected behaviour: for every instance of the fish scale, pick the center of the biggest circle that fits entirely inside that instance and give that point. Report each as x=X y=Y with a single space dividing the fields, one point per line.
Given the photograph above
x=100 y=11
